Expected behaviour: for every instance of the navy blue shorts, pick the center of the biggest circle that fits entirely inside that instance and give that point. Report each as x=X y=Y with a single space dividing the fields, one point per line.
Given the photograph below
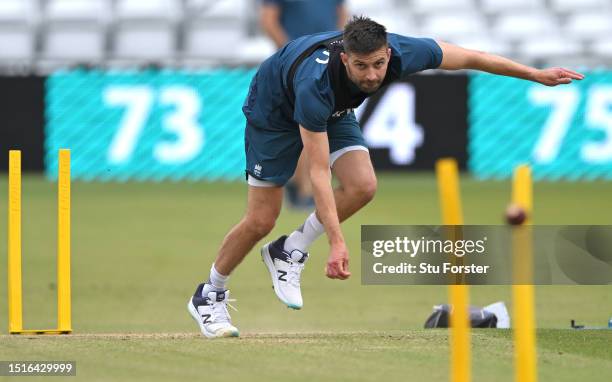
x=272 y=156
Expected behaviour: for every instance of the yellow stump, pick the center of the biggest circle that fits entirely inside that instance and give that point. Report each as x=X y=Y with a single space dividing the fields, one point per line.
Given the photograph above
x=15 y=307
x=450 y=204
x=14 y=243
x=523 y=290
x=63 y=243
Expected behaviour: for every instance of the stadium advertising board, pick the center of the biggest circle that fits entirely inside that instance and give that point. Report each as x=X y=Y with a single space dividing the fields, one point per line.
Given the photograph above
x=148 y=125
x=411 y=124
x=158 y=125
x=22 y=116
x=564 y=132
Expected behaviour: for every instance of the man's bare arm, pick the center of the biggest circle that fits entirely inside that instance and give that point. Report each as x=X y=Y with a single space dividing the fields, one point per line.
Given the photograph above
x=316 y=149
x=269 y=19
x=456 y=58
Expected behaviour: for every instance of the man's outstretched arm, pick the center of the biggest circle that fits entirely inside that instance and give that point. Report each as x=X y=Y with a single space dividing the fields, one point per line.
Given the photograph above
x=456 y=58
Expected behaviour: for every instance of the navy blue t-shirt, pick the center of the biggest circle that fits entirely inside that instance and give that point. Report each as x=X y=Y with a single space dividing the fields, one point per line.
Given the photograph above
x=269 y=106
x=302 y=17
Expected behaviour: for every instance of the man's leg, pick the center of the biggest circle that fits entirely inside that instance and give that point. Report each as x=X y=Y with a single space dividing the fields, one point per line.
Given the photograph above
x=208 y=305
x=299 y=188
x=355 y=172
x=351 y=164
x=357 y=179
x=301 y=177
x=286 y=256
x=263 y=207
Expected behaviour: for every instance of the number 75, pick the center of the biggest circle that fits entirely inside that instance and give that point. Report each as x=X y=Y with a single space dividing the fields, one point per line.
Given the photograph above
x=564 y=102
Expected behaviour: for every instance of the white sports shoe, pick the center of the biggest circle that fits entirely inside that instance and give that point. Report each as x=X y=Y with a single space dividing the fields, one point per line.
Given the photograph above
x=211 y=313
x=285 y=270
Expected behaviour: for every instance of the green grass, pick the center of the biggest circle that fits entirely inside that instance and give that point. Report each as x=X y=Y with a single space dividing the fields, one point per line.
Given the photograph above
x=140 y=249
x=416 y=355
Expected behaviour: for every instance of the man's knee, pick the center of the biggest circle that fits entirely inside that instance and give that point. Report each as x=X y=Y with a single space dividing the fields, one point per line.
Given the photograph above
x=369 y=188
x=364 y=190
x=263 y=207
x=261 y=224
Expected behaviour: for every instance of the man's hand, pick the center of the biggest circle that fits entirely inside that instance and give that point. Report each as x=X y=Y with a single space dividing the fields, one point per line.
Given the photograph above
x=556 y=76
x=338 y=262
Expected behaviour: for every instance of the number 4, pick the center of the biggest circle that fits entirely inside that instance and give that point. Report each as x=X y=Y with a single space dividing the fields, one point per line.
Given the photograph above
x=393 y=125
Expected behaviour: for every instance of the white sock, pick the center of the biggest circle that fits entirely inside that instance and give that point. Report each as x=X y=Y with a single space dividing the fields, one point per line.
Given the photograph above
x=215 y=283
x=304 y=236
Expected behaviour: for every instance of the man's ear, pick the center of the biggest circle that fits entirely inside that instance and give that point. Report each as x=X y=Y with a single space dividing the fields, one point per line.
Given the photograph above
x=344 y=58
x=388 y=53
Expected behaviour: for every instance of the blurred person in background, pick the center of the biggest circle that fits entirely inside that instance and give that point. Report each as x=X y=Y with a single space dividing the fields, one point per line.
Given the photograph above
x=301 y=100
x=286 y=20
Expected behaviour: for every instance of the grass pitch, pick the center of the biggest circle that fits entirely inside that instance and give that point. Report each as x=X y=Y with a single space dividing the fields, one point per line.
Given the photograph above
x=140 y=249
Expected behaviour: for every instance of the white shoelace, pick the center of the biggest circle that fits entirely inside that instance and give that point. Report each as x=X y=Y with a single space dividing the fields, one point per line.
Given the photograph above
x=219 y=310
x=295 y=270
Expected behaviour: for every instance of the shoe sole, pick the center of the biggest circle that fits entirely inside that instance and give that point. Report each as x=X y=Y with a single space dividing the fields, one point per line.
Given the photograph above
x=267 y=259
x=196 y=316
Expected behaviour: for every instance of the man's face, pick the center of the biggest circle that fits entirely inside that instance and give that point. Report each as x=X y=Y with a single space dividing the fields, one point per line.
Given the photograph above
x=367 y=71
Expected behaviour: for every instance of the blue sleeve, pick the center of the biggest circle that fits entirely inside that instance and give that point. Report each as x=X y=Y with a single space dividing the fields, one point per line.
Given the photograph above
x=416 y=54
x=313 y=105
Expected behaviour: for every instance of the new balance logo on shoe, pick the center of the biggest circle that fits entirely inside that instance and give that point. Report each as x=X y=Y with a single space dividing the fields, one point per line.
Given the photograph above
x=209 y=310
x=285 y=269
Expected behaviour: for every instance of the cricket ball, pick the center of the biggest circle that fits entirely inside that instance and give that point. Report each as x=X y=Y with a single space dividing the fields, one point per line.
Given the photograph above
x=515 y=214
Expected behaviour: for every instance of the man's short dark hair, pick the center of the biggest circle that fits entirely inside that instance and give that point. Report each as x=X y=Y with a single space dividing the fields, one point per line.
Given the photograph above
x=363 y=35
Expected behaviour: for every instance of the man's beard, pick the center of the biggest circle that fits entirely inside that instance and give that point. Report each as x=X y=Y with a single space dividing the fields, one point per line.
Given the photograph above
x=370 y=89
x=361 y=85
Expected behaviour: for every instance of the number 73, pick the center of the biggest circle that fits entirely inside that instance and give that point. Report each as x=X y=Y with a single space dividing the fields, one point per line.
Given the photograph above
x=182 y=122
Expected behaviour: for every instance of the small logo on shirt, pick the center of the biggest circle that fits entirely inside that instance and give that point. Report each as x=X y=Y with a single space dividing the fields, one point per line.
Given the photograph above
x=257 y=170
x=341 y=113
x=325 y=52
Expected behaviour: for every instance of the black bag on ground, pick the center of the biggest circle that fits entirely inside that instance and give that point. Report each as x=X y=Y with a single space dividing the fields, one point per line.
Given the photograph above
x=479 y=318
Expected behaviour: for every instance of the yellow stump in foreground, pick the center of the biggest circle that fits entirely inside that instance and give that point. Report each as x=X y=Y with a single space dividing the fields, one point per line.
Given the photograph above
x=15 y=306
x=450 y=203
x=63 y=243
x=14 y=243
x=523 y=290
